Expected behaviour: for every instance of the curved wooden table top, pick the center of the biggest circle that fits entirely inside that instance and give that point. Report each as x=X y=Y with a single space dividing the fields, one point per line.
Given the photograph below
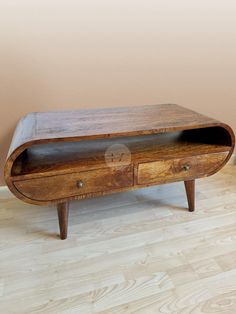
x=78 y=125
x=87 y=124
x=41 y=127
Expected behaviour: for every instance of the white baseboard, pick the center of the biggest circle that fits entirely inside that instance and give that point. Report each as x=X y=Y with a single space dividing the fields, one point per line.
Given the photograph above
x=5 y=192
x=3 y=188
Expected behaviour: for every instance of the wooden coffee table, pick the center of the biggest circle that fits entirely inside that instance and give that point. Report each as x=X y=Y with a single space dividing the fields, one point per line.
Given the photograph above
x=59 y=156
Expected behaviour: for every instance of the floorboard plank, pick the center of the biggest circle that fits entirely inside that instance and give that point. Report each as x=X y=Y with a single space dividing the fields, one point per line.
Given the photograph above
x=137 y=252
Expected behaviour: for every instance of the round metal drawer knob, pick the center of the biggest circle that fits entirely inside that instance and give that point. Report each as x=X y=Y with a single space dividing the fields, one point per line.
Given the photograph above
x=186 y=167
x=80 y=184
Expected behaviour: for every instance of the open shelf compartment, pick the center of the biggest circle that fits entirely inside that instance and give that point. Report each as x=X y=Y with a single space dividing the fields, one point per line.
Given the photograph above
x=85 y=154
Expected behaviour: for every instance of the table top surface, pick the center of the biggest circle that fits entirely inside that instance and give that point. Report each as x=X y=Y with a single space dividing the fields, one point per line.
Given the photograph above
x=112 y=121
x=42 y=127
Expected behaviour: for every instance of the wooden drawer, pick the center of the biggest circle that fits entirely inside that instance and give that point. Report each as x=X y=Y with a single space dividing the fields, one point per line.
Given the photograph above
x=74 y=184
x=178 y=169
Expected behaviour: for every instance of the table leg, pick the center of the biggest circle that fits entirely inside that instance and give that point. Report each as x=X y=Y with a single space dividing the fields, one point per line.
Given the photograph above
x=63 y=212
x=190 y=191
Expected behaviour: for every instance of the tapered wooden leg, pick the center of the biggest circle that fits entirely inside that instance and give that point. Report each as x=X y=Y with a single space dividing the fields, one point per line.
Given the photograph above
x=63 y=211
x=190 y=191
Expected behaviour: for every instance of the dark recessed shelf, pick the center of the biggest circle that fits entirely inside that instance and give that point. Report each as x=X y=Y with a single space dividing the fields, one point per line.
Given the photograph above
x=50 y=157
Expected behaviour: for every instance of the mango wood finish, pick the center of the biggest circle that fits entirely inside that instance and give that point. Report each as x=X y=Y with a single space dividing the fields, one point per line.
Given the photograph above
x=55 y=157
x=163 y=171
x=63 y=213
x=190 y=191
x=68 y=185
x=64 y=157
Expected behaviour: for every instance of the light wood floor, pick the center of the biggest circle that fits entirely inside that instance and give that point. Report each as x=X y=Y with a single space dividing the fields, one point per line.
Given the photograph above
x=137 y=252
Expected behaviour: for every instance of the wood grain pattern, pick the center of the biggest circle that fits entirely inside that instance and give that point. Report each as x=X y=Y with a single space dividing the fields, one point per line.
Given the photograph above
x=44 y=127
x=64 y=157
x=66 y=185
x=135 y=252
x=100 y=123
x=55 y=157
x=178 y=169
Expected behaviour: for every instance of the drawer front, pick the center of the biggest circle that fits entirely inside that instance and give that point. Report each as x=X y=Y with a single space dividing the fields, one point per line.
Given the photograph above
x=74 y=184
x=179 y=169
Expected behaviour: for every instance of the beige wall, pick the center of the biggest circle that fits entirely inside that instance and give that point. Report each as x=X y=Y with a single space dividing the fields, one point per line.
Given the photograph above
x=58 y=54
